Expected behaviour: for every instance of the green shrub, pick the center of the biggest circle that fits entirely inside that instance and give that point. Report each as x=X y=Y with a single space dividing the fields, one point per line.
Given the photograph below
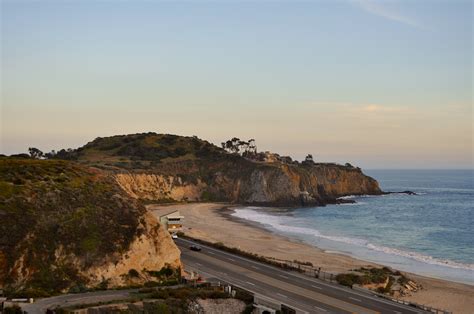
x=14 y=309
x=160 y=294
x=158 y=308
x=182 y=293
x=78 y=288
x=348 y=279
x=133 y=273
x=165 y=272
x=103 y=285
x=171 y=282
x=150 y=284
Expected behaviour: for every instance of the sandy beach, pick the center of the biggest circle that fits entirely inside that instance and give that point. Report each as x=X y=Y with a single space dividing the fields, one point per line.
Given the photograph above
x=212 y=222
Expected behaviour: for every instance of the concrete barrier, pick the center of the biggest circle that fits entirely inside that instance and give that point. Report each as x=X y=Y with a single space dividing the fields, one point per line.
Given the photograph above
x=407 y=303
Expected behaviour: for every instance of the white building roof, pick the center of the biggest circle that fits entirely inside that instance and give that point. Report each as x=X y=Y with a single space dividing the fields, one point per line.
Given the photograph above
x=174 y=214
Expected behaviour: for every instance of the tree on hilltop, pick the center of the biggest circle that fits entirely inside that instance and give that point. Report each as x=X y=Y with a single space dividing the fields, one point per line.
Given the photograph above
x=238 y=146
x=35 y=153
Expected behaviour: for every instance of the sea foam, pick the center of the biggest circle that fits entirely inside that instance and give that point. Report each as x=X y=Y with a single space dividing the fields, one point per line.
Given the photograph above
x=286 y=224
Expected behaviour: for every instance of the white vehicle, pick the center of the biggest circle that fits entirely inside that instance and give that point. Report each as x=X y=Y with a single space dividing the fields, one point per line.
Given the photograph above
x=174 y=235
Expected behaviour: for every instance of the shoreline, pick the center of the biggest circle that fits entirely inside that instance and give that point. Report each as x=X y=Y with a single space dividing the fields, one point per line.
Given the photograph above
x=420 y=269
x=226 y=212
x=213 y=222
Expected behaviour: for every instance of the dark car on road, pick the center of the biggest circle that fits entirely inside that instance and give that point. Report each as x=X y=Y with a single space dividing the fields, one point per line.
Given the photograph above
x=196 y=248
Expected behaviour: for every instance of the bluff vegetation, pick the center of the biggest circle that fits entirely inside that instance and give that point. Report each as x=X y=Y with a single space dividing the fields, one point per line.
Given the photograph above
x=75 y=218
x=64 y=226
x=169 y=168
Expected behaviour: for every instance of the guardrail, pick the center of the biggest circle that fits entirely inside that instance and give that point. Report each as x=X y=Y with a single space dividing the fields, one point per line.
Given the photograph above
x=408 y=303
x=318 y=273
x=311 y=271
x=314 y=272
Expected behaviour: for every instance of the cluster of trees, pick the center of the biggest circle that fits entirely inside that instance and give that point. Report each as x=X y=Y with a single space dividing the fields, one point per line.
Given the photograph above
x=238 y=146
x=248 y=149
x=35 y=153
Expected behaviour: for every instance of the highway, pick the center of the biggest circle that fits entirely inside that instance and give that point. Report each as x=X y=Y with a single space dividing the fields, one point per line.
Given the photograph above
x=303 y=293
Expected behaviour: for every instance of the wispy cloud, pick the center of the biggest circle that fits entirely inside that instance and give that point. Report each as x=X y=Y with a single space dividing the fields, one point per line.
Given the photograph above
x=358 y=108
x=381 y=9
x=379 y=109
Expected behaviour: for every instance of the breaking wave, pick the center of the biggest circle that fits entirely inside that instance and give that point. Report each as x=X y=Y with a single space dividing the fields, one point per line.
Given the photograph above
x=277 y=223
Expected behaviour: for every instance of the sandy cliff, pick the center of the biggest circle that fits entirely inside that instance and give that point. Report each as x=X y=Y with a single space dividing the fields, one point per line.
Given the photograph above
x=152 y=250
x=159 y=187
x=170 y=168
x=271 y=184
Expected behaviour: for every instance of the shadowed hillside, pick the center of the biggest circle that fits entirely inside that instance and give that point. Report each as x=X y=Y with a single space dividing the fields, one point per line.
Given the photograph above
x=64 y=225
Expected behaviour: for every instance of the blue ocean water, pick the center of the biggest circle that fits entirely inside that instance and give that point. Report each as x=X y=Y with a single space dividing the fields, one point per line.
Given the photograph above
x=431 y=233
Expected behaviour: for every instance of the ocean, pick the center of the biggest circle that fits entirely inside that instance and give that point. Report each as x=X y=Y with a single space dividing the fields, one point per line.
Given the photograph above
x=430 y=234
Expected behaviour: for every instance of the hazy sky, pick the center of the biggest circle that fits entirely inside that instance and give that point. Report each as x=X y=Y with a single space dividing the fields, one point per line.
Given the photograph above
x=381 y=84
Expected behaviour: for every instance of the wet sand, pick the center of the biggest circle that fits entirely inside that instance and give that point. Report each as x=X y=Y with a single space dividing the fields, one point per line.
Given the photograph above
x=213 y=222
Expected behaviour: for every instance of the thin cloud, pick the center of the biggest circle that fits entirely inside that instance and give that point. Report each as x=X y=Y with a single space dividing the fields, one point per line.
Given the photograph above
x=378 y=8
x=379 y=108
x=357 y=108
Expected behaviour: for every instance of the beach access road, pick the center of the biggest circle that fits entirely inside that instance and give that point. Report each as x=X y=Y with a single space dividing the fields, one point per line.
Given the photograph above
x=300 y=292
x=40 y=306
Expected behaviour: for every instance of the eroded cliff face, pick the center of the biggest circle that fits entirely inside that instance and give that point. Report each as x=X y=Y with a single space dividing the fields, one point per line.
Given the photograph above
x=159 y=187
x=265 y=184
x=152 y=250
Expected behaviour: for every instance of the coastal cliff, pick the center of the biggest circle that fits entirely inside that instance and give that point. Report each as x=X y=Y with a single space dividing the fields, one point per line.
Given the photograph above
x=66 y=226
x=152 y=250
x=170 y=168
x=277 y=184
x=78 y=218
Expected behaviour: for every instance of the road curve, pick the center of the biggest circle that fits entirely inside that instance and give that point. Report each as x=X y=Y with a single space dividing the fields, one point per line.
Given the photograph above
x=40 y=306
x=302 y=292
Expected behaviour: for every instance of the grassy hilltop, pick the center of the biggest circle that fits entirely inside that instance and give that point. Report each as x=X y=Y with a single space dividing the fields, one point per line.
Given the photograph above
x=144 y=151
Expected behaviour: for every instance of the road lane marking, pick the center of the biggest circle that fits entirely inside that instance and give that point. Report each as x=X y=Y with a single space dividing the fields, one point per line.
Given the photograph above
x=282 y=295
x=275 y=282
x=358 y=300
x=316 y=287
x=254 y=267
x=283 y=276
x=307 y=279
x=321 y=309
x=254 y=292
x=211 y=252
x=250 y=283
x=199 y=264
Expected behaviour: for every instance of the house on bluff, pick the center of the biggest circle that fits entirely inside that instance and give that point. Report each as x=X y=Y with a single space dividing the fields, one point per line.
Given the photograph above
x=172 y=221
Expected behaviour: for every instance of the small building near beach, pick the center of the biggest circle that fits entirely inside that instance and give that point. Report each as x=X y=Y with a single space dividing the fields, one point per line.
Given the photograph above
x=172 y=221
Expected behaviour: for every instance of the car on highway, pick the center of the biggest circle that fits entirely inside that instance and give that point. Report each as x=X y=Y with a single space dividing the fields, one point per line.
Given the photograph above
x=196 y=248
x=174 y=236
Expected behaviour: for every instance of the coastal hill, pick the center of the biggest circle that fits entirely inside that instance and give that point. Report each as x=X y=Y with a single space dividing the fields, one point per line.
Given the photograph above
x=76 y=218
x=170 y=168
x=65 y=226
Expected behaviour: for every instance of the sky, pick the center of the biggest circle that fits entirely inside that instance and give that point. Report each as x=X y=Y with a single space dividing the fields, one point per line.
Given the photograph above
x=379 y=84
